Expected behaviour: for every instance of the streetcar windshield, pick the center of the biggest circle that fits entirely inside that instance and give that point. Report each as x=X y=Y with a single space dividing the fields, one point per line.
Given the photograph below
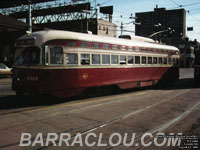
x=30 y=56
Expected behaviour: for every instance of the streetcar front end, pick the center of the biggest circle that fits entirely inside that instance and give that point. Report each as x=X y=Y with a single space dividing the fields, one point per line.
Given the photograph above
x=27 y=66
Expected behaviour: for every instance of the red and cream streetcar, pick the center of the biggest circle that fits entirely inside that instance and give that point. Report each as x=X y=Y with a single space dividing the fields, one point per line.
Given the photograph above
x=64 y=64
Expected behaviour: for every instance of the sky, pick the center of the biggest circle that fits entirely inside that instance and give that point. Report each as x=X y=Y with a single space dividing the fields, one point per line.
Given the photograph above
x=124 y=8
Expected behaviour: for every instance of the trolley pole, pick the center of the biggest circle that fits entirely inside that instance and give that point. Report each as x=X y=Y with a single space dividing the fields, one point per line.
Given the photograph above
x=30 y=15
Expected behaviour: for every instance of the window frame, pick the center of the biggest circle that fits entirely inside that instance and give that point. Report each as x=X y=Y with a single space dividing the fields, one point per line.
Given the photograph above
x=108 y=59
x=117 y=59
x=105 y=46
x=165 y=60
x=136 y=63
x=155 y=62
x=71 y=64
x=144 y=59
x=169 y=60
x=85 y=58
x=58 y=64
x=114 y=47
x=128 y=60
x=151 y=62
x=162 y=62
x=95 y=45
x=99 y=59
x=124 y=62
x=84 y=44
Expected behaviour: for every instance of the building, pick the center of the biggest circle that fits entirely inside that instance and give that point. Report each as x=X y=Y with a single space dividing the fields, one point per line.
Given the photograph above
x=161 y=19
x=169 y=27
x=106 y=28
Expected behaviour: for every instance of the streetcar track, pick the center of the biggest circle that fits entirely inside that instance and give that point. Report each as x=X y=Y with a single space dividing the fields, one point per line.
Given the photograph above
x=163 y=127
x=89 y=107
x=108 y=122
x=122 y=117
x=171 y=123
x=90 y=100
x=78 y=109
x=16 y=112
x=72 y=111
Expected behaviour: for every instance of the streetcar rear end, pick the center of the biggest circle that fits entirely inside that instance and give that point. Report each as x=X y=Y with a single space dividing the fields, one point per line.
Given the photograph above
x=197 y=68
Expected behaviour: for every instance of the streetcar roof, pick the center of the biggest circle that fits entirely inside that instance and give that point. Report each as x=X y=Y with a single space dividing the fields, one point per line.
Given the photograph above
x=42 y=37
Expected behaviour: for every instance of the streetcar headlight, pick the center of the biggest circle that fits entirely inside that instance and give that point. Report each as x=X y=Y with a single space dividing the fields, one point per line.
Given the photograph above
x=18 y=79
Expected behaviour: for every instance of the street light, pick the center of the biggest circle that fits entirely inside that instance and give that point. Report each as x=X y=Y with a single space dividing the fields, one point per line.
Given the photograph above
x=158 y=25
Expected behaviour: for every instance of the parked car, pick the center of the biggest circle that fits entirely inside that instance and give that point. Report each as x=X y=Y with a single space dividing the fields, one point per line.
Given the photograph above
x=4 y=70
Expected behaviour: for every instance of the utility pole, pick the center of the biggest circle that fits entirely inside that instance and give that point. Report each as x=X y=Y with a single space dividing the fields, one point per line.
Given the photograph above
x=121 y=27
x=86 y=18
x=30 y=15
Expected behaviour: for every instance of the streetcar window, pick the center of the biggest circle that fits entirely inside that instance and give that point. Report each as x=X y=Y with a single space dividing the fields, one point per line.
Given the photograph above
x=169 y=61
x=72 y=58
x=114 y=59
x=71 y=43
x=30 y=56
x=137 y=59
x=114 y=47
x=174 y=61
x=84 y=44
x=155 y=60
x=160 y=60
x=95 y=45
x=105 y=59
x=144 y=49
x=165 y=61
x=95 y=59
x=122 y=48
x=130 y=48
x=130 y=59
x=122 y=59
x=150 y=60
x=144 y=60
x=56 y=55
x=105 y=46
x=20 y=58
x=85 y=59
x=137 y=49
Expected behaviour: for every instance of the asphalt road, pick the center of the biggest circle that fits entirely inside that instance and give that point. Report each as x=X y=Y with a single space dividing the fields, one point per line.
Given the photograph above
x=102 y=120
